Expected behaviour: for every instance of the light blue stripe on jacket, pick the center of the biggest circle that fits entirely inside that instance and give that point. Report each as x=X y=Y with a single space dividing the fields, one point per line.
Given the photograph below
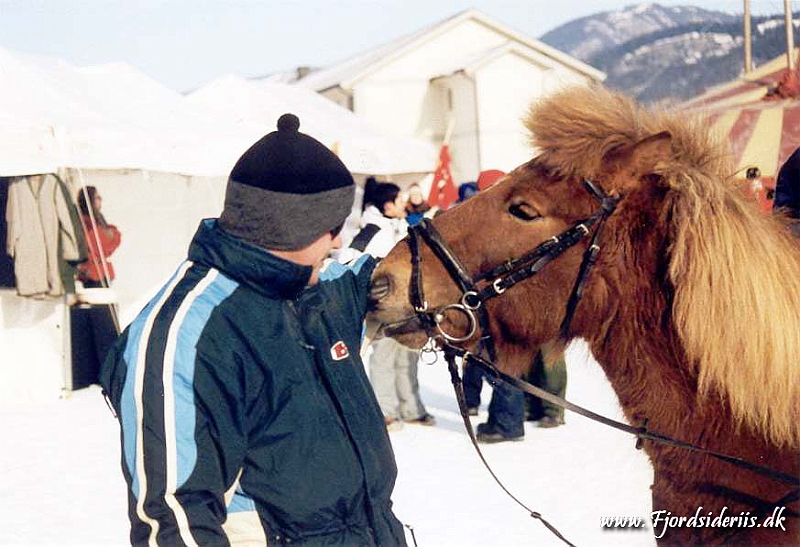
x=183 y=378
x=128 y=413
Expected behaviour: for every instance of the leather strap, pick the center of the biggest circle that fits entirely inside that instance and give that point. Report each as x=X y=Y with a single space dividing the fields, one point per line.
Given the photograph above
x=640 y=432
x=458 y=387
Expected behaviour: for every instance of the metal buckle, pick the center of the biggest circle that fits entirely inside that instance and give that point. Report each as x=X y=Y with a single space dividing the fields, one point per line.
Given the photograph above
x=423 y=308
x=429 y=353
x=496 y=286
x=582 y=227
x=465 y=301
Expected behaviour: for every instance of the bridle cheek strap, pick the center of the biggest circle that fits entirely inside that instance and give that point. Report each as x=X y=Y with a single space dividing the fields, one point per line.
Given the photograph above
x=505 y=275
x=426 y=231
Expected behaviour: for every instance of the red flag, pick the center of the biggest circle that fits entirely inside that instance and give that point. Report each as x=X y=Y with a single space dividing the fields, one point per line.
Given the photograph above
x=443 y=190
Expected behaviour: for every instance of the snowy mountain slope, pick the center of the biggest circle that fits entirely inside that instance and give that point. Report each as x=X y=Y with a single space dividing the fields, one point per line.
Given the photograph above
x=587 y=36
x=655 y=53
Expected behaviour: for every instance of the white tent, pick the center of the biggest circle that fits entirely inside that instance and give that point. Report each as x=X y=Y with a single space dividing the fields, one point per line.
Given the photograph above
x=159 y=159
x=113 y=116
x=361 y=146
x=105 y=117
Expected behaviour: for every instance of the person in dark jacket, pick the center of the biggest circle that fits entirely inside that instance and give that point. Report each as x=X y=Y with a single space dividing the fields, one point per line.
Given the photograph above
x=246 y=415
x=787 y=190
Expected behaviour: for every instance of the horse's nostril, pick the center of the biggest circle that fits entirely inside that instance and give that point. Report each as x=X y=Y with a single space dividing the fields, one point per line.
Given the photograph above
x=381 y=287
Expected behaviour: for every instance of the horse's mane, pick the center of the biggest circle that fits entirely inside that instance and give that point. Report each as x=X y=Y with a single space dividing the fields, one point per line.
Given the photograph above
x=735 y=271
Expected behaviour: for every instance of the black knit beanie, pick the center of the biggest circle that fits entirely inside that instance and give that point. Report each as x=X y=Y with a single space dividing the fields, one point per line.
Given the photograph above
x=287 y=190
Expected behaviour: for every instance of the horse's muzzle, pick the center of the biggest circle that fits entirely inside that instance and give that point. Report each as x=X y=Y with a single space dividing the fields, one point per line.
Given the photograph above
x=381 y=288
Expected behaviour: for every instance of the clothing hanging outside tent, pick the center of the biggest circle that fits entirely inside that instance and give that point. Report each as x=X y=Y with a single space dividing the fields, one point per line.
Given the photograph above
x=44 y=236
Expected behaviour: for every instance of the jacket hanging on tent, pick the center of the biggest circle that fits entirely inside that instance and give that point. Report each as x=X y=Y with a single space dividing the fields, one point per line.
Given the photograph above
x=44 y=236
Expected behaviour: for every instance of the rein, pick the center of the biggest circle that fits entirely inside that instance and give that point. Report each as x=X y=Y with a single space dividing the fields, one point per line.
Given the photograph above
x=499 y=280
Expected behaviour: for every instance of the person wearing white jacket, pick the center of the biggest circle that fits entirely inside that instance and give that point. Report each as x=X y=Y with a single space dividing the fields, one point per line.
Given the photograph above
x=392 y=367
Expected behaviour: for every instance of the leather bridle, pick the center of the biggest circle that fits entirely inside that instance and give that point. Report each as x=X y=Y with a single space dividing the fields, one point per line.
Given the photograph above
x=501 y=278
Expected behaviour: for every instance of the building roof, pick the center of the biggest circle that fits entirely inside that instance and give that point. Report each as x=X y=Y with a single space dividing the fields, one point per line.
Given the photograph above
x=750 y=88
x=350 y=71
x=474 y=62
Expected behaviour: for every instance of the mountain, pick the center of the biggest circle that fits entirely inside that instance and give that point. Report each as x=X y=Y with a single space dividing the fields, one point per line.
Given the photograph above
x=586 y=37
x=668 y=54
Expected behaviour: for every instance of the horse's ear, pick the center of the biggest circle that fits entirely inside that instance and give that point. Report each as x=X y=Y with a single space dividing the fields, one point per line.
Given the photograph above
x=649 y=152
x=642 y=159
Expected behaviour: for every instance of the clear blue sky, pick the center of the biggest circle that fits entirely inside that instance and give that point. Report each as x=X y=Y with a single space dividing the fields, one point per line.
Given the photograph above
x=185 y=44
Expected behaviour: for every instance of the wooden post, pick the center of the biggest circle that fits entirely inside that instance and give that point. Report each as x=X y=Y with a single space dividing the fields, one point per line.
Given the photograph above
x=787 y=7
x=748 y=45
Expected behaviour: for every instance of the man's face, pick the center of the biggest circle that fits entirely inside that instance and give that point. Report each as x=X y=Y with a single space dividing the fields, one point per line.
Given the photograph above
x=313 y=254
x=318 y=251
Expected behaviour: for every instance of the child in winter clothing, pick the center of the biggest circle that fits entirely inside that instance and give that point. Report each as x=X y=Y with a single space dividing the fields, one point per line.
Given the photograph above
x=392 y=367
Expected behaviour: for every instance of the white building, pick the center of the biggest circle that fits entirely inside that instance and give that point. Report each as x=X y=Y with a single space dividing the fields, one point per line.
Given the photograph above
x=468 y=73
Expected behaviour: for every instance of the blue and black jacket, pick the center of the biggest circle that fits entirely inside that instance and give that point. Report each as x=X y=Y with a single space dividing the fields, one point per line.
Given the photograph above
x=245 y=411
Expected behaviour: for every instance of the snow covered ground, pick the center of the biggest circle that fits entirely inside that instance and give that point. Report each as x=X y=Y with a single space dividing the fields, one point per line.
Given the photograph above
x=62 y=484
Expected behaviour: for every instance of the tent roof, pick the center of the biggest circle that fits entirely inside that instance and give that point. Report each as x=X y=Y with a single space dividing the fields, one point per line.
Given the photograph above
x=113 y=116
x=256 y=106
x=761 y=132
x=108 y=116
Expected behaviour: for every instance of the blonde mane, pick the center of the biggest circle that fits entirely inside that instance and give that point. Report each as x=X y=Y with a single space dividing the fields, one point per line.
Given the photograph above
x=735 y=271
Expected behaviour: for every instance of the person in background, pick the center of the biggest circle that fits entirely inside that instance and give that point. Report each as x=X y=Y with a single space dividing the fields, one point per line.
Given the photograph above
x=787 y=191
x=549 y=372
x=392 y=367
x=473 y=377
x=465 y=191
x=416 y=206
x=94 y=326
x=102 y=240
x=246 y=415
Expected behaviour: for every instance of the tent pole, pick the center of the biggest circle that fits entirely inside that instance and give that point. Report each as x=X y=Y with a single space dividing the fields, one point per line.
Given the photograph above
x=787 y=7
x=66 y=348
x=748 y=39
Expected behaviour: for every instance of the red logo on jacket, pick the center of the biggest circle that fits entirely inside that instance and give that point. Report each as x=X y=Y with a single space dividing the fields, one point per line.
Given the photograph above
x=339 y=351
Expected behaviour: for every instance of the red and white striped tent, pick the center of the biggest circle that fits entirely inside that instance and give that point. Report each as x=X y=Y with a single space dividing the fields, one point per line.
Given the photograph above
x=759 y=114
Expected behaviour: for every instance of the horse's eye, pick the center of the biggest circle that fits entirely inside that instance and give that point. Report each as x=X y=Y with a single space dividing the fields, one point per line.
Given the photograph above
x=523 y=211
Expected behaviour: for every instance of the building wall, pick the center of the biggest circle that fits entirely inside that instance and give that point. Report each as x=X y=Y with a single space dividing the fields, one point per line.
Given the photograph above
x=506 y=87
x=459 y=93
x=418 y=94
x=394 y=97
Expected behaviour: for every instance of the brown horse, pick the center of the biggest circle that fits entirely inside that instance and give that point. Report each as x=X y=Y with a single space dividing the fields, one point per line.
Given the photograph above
x=692 y=309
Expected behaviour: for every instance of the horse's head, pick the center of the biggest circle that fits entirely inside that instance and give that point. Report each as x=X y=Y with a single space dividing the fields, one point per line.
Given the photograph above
x=525 y=210
x=686 y=266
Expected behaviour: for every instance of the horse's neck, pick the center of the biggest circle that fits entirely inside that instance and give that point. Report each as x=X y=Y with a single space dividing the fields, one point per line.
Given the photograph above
x=649 y=381
x=655 y=390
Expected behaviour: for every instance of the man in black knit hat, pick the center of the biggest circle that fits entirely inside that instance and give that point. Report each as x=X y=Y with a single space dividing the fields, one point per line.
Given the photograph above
x=245 y=412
